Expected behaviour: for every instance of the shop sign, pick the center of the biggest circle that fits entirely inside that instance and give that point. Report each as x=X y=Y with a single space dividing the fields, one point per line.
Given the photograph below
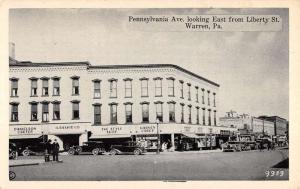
x=187 y=129
x=145 y=129
x=64 y=129
x=24 y=130
x=111 y=130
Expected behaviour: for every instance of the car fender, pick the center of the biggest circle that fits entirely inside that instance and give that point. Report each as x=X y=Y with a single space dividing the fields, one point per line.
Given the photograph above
x=116 y=150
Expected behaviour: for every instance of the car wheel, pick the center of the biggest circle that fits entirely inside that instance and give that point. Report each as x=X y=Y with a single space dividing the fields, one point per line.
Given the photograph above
x=13 y=155
x=71 y=152
x=25 y=153
x=113 y=152
x=136 y=152
x=95 y=151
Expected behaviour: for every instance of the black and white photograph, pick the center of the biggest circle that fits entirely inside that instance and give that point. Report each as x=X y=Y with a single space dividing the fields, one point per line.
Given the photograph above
x=148 y=94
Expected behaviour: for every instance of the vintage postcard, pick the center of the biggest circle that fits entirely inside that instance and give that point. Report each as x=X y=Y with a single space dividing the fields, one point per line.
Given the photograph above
x=148 y=94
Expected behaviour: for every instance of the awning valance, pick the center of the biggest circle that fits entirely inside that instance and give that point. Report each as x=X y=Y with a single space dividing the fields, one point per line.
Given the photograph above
x=24 y=136
x=109 y=136
x=191 y=135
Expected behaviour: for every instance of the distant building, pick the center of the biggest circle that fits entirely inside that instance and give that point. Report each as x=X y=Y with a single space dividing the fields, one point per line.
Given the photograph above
x=280 y=124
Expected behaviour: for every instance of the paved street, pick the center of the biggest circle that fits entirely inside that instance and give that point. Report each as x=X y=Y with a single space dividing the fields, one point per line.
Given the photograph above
x=250 y=165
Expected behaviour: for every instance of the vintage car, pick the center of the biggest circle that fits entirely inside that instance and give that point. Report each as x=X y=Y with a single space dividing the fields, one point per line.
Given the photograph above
x=31 y=149
x=127 y=148
x=93 y=147
x=237 y=146
x=12 y=150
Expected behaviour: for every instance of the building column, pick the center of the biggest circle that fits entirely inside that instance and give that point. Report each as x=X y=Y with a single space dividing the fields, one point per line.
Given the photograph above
x=172 y=142
x=83 y=138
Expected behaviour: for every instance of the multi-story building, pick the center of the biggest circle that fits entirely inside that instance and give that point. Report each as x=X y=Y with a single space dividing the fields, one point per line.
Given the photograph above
x=74 y=102
x=280 y=127
x=248 y=124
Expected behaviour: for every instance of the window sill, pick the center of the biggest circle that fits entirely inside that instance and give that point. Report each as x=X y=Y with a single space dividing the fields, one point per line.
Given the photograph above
x=34 y=120
x=158 y=95
x=97 y=97
x=96 y=124
x=144 y=96
x=56 y=95
x=113 y=97
x=14 y=96
x=128 y=97
x=34 y=96
x=171 y=95
x=45 y=96
x=14 y=120
x=75 y=118
x=75 y=94
x=56 y=119
x=181 y=97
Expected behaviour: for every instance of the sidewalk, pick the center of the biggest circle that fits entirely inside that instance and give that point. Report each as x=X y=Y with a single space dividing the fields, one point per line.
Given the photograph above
x=187 y=152
x=24 y=162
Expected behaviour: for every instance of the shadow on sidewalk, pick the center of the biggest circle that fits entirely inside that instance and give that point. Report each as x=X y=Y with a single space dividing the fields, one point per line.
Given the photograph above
x=282 y=164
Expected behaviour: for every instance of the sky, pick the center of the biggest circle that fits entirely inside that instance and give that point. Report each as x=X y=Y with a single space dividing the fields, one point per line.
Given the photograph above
x=252 y=68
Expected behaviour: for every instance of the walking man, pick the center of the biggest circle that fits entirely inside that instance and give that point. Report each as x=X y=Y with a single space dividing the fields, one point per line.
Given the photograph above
x=55 y=149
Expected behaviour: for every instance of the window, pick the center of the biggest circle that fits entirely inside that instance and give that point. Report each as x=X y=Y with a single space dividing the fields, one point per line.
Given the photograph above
x=215 y=118
x=197 y=94
x=172 y=111
x=75 y=108
x=56 y=91
x=197 y=116
x=203 y=102
x=208 y=99
x=45 y=111
x=203 y=116
x=34 y=111
x=159 y=111
x=56 y=110
x=182 y=113
x=190 y=113
x=113 y=88
x=189 y=91
x=158 y=86
x=171 y=91
x=128 y=112
x=45 y=89
x=14 y=112
x=113 y=113
x=128 y=87
x=33 y=87
x=97 y=114
x=209 y=117
x=145 y=112
x=214 y=99
x=14 y=87
x=181 y=89
x=144 y=87
x=97 y=92
x=75 y=85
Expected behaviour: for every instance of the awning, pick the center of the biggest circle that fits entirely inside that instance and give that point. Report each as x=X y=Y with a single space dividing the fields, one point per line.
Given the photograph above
x=191 y=135
x=109 y=136
x=24 y=136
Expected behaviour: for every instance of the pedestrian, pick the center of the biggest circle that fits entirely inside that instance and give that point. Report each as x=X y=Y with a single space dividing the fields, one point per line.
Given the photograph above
x=48 y=150
x=55 y=150
x=261 y=145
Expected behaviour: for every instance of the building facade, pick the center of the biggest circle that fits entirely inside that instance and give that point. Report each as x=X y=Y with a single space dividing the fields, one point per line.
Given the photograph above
x=75 y=102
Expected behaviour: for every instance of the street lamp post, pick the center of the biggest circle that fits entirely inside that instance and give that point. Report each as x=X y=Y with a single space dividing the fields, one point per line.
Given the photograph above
x=158 y=137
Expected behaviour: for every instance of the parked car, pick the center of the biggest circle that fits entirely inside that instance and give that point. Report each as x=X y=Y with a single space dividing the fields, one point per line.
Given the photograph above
x=237 y=146
x=13 y=150
x=127 y=148
x=32 y=149
x=93 y=147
